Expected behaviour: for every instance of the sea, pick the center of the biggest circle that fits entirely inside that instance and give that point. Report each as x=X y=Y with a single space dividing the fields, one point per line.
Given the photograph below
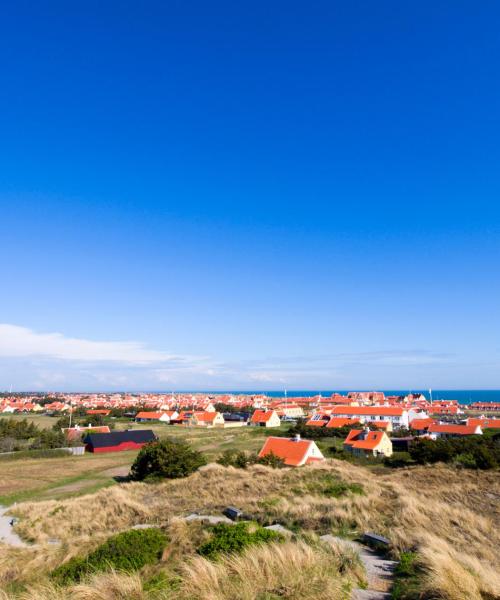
x=462 y=396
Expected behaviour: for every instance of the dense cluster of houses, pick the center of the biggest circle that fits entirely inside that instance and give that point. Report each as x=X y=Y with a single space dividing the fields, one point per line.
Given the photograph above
x=371 y=417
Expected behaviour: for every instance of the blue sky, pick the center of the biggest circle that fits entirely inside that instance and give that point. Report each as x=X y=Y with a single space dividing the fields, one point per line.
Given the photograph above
x=219 y=196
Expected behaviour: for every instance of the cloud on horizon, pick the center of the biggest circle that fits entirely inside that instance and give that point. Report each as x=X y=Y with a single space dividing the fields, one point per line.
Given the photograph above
x=18 y=341
x=30 y=360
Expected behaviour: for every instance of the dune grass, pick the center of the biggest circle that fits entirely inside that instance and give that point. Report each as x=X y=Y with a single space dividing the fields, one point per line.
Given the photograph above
x=448 y=517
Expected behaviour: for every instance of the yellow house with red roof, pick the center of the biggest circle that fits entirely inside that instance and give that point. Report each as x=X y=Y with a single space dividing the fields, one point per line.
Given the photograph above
x=363 y=442
x=265 y=418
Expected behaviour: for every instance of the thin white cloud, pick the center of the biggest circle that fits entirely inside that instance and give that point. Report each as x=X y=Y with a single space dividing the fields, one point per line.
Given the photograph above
x=18 y=342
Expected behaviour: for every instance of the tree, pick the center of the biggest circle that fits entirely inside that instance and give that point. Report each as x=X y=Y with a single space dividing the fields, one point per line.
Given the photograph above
x=166 y=458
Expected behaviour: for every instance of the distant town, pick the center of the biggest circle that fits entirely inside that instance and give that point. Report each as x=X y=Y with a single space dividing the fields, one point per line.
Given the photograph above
x=375 y=425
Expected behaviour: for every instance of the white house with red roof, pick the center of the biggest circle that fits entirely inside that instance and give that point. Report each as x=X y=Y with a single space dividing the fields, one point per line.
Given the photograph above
x=484 y=422
x=164 y=416
x=440 y=430
x=295 y=452
x=366 y=414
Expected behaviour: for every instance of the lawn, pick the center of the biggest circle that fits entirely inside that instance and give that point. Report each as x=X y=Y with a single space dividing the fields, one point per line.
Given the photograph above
x=62 y=477
x=45 y=478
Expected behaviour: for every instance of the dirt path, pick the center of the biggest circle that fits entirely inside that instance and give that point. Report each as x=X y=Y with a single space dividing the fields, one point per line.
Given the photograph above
x=379 y=570
x=7 y=533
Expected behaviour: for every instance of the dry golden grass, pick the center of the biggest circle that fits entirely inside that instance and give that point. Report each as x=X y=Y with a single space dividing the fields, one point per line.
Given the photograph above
x=433 y=509
x=108 y=586
x=293 y=570
x=290 y=570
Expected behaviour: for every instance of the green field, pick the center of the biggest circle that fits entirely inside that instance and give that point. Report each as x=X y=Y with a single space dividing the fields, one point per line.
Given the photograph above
x=62 y=477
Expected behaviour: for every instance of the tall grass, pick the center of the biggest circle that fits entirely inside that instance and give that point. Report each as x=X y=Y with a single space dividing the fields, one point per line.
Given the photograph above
x=448 y=516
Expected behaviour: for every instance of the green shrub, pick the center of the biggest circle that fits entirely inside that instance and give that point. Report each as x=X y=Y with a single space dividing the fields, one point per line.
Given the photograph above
x=339 y=488
x=127 y=551
x=326 y=485
x=234 y=458
x=167 y=458
x=235 y=538
x=476 y=451
x=398 y=459
x=271 y=460
x=407 y=578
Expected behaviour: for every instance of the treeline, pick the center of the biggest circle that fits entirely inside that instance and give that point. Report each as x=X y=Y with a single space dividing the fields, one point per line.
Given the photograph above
x=317 y=433
x=25 y=435
x=475 y=452
x=93 y=420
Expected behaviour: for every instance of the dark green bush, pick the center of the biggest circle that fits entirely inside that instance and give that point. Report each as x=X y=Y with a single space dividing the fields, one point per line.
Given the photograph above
x=166 y=459
x=398 y=459
x=234 y=458
x=271 y=460
x=474 y=451
x=235 y=538
x=315 y=433
x=128 y=551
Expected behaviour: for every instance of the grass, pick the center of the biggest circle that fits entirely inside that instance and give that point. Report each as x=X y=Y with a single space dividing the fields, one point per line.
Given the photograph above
x=43 y=478
x=293 y=570
x=430 y=511
x=326 y=485
x=407 y=584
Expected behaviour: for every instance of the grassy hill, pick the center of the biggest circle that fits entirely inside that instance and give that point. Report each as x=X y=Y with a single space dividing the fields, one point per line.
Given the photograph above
x=444 y=517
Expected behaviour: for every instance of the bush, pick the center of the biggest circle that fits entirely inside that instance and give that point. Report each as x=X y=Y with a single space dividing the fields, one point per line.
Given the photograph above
x=315 y=433
x=235 y=538
x=471 y=452
x=166 y=459
x=128 y=551
x=326 y=485
x=233 y=458
x=408 y=578
x=398 y=459
x=271 y=460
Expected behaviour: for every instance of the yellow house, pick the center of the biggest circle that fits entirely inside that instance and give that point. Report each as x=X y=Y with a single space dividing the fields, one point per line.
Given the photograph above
x=207 y=419
x=265 y=418
x=363 y=442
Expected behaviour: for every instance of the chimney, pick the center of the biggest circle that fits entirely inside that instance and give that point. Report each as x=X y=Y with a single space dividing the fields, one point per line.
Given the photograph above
x=296 y=437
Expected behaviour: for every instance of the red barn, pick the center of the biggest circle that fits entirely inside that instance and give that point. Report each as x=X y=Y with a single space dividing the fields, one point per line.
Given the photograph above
x=117 y=441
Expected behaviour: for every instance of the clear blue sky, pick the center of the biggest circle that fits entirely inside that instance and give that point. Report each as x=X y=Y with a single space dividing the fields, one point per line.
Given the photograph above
x=250 y=196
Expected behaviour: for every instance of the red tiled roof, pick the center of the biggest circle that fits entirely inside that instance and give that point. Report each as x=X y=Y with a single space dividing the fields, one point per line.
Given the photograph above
x=421 y=424
x=262 y=416
x=452 y=429
x=389 y=411
x=148 y=415
x=484 y=423
x=291 y=451
x=205 y=416
x=316 y=423
x=341 y=422
x=370 y=441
